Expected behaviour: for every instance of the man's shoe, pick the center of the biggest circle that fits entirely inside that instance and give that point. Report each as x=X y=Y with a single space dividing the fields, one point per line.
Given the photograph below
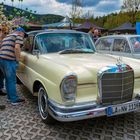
x=2 y=93
x=2 y=107
x=18 y=101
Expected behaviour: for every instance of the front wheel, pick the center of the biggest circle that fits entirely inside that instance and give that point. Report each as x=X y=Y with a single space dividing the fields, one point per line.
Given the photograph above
x=43 y=106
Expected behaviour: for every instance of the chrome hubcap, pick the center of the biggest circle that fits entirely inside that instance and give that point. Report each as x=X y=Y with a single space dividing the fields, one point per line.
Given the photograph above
x=42 y=103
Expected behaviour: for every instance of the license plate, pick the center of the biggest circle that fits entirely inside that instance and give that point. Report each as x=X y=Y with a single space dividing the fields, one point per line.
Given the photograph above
x=122 y=108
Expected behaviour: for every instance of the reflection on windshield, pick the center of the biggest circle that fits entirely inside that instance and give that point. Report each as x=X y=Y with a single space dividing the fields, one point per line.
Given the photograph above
x=56 y=42
x=135 y=42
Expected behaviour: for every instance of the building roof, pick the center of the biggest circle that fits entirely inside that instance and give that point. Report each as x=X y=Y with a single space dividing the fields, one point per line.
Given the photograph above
x=125 y=27
x=88 y=25
x=66 y=22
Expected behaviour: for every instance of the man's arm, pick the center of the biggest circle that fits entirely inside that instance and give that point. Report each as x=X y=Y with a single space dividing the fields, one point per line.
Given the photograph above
x=17 y=51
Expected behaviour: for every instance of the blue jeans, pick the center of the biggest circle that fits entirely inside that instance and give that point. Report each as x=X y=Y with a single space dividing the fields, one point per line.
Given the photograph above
x=8 y=71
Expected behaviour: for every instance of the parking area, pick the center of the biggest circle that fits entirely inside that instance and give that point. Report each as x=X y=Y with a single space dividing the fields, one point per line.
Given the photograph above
x=23 y=122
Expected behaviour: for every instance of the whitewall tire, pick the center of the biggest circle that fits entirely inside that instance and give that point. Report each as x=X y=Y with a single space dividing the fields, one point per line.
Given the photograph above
x=43 y=106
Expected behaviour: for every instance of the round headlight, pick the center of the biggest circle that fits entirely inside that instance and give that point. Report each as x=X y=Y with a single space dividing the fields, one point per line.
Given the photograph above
x=69 y=87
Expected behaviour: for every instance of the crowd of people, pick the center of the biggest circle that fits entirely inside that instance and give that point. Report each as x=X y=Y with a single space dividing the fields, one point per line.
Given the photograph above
x=10 y=47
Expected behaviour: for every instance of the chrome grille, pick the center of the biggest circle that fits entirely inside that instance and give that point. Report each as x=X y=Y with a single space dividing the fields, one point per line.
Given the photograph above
x=116 y=87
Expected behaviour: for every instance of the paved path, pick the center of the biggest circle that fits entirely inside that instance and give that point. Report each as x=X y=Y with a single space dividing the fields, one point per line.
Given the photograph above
x=23 y=123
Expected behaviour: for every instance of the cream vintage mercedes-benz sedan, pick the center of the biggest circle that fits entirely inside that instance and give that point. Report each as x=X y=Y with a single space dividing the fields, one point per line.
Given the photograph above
x=72 y=81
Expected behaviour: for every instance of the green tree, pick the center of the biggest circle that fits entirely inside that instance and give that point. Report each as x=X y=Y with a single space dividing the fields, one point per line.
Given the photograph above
x=89 y=15
x=131 y=7
x=76 y=9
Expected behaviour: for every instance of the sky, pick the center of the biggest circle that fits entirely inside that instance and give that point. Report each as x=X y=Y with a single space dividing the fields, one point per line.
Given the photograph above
x=63 y=7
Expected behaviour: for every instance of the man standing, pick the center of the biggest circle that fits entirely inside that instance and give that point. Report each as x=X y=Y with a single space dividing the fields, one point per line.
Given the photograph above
x=96 y=35
x=91 y=32
x=9 y=59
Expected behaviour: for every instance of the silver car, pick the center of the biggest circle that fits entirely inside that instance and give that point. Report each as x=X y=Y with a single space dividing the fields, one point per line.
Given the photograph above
x=122 y=45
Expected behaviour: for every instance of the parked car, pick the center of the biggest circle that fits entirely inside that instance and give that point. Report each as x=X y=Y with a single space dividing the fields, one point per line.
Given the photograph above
x=123 y=45
x=72 y=81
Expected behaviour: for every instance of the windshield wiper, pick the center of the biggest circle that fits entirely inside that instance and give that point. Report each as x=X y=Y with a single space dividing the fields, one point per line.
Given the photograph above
x=76 y=51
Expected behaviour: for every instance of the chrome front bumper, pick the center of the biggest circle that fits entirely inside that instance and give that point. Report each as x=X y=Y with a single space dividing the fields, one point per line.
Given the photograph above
x=76 y=112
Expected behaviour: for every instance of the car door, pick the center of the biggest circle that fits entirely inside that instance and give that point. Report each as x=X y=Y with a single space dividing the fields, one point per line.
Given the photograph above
x=121 y=47
x=103 y=45
x=27 y=60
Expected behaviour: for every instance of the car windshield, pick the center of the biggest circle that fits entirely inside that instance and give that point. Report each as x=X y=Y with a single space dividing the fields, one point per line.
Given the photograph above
x=64 y=42
x=135 y=42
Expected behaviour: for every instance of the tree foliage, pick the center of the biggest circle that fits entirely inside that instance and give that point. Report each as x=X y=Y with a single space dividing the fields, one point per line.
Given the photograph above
x=131 y=7
x=128 y=13
x=76 y=9
x=12 y=12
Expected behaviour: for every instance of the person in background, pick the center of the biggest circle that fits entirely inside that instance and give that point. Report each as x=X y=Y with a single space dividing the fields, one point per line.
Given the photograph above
x=9 y=59
x=96 y=35
x=91 y=32
x=99 y=33
x=4 y=30
x=2 y=93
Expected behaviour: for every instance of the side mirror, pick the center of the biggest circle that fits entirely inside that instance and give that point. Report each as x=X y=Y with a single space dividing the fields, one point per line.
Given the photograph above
x=36 y=52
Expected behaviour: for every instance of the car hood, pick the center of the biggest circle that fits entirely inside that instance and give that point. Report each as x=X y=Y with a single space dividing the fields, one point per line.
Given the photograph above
x=86 y=66
x=77 y=62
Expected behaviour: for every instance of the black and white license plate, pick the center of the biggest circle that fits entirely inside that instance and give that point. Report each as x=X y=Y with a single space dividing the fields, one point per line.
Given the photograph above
x=122 y=108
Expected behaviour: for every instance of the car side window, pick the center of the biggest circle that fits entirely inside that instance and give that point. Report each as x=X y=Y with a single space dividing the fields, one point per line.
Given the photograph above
x=104 y=44
x=28 y=44
x=41 y=44
x=135 y=43
x=121 y=45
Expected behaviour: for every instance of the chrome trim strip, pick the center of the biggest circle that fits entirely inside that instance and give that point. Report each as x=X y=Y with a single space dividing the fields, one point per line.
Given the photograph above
x=72 y=107
x=77 y=112
x=84 y=84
